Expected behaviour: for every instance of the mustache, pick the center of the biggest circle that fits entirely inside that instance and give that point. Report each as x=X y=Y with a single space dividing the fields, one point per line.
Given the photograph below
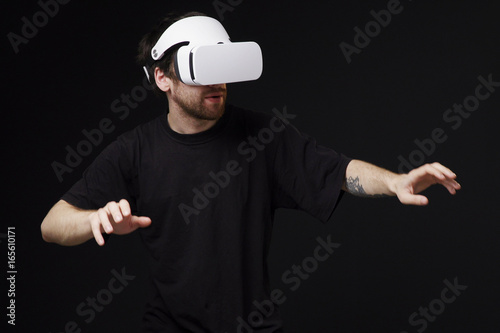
x=220 y=90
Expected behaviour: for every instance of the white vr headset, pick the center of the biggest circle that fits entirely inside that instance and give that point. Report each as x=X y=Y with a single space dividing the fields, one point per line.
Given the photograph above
x=207 y=55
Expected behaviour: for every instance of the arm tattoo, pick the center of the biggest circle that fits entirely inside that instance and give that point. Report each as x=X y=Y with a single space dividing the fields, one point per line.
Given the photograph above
x=353 y=186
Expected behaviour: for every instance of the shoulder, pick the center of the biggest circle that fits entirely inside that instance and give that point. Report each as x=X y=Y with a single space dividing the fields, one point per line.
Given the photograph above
x=141 y=132
x=125 y=149
x=127 y=146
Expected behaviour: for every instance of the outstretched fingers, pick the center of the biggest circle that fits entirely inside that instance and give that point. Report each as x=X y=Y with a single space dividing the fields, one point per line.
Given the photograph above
x=451 y=185
x=428 y=169
x=440 y=175
x=447 y=172
x=449 y=178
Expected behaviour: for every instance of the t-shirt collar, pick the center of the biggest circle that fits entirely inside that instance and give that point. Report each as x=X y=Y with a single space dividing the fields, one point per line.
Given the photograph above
x=200 y=137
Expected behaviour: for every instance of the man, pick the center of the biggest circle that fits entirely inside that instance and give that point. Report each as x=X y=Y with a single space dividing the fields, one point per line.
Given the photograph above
x=205 y=179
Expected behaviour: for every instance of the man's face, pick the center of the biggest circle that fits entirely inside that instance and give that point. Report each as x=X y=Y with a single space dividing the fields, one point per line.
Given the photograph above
x=200 y=102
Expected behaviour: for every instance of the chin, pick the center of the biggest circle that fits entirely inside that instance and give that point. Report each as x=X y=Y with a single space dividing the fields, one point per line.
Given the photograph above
x=216 y=111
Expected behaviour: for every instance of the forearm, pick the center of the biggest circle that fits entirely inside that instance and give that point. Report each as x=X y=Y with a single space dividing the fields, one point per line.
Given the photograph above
x=368 y=180
x=66 y=225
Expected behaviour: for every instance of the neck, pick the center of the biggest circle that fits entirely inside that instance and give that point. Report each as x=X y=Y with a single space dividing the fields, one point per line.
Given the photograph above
x=183 y=123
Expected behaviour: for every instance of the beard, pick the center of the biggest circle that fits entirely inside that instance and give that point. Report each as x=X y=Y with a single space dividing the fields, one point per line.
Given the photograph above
x=196 y=107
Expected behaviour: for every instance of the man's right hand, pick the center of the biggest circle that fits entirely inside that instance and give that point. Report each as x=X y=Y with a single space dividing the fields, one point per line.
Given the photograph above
x=116 y=218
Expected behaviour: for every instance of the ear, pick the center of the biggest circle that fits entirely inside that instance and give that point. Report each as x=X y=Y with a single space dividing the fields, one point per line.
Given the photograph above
x=162 y=81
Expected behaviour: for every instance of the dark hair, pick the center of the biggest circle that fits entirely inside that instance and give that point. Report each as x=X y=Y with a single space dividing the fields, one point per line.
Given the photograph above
x=149 y=40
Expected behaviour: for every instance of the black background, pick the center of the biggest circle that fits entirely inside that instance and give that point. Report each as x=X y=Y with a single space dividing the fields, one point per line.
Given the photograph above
x=392 y=260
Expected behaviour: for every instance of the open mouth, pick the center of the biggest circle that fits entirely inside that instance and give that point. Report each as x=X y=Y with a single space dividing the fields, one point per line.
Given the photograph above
x=215 y=97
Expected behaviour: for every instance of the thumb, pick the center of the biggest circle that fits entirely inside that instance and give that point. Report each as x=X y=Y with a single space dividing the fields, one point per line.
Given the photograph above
x=413 y=199
x=141 y=221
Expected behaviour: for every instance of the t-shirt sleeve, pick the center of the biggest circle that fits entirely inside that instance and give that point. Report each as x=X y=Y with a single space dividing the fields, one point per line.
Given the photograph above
x=110 y=177
x=307 y=176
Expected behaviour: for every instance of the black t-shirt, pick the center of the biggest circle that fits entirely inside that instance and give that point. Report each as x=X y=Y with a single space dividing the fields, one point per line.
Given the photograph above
x=211 y=197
